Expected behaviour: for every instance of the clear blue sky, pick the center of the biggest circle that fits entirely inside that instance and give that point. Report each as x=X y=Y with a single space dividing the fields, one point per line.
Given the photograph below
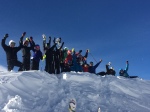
x=114 y=31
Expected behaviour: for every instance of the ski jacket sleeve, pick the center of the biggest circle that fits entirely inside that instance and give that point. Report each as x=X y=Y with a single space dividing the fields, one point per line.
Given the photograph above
x=107 y=69
x=127 y=67
x=97 y=65
x=4 y=45
x=86 y=55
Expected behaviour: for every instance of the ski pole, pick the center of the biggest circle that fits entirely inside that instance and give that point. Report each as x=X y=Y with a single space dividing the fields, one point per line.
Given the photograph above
x=93 y=57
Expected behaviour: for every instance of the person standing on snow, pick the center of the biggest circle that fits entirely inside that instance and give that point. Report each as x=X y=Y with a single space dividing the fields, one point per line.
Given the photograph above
x=37 y=56
x=49 y=55
x=92 y=69
x=26 y=52
x=11 y=53
x=57 y=54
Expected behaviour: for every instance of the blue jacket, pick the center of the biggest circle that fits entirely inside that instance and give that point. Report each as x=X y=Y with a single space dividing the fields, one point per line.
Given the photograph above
x=92 y=69
x=37 y=55
x=76 y=66
x=125 y=71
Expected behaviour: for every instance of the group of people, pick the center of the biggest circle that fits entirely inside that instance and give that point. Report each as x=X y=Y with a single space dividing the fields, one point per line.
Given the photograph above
x=57 y=59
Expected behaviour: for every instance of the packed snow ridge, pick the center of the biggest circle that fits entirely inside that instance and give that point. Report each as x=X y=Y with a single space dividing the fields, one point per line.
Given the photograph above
x=38 y=91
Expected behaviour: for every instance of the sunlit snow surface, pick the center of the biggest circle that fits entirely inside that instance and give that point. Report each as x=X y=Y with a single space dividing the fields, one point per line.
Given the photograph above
x=38 y=91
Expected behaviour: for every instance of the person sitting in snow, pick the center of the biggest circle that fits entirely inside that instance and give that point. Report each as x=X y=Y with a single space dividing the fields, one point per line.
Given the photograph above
x=11 y=53
x=124 y=72
x=92 y=69
x=109 y=70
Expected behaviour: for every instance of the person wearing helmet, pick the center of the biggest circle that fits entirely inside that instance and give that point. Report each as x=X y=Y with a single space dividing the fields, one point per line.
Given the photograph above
x=26 y=54
x=11 y=53
x=124 y=72
x=110 y=70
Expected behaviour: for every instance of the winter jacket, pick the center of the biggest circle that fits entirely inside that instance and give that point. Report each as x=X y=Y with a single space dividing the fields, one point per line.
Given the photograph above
x=92 y=69
x=76 y=66
x=37 y=55
x=110 y=71
x=11 y=52
x=124 y=73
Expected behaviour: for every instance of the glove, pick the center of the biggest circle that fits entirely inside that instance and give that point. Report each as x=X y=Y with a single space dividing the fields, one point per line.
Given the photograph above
x=5 y=36
x=24 y=33
x=80 y=51
x=101 y=60
x=44 y=56
x=72 y=49
x=49 y=37
x=27 y=39
x=109 y=63
x=88 y=50
x=31 y=38
x=44 y=37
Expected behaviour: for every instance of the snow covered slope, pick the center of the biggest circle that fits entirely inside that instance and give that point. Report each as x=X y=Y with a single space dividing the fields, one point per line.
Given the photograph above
x=37 y=91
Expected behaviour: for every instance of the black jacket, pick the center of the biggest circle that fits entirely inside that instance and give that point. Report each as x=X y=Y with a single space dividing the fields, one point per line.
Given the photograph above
x=11 y=53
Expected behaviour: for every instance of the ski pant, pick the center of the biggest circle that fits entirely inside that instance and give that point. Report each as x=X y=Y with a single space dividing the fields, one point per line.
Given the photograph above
x=49 y=66
x=57 y=67
x=26 y=63
x=34 y=64
x=14 y=62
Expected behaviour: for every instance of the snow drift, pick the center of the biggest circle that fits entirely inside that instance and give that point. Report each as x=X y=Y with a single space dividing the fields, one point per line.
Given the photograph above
x=38 y=91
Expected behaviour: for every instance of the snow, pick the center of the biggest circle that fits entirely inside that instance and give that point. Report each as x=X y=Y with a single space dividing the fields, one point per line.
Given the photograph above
x=38 y=91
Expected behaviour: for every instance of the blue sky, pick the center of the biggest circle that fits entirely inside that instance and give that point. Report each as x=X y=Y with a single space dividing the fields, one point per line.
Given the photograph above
x=114 y=31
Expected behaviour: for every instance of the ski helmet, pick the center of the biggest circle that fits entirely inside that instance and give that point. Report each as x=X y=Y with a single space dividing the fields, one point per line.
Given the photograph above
x=11 y=41
x=65 y=48
x=57 y=40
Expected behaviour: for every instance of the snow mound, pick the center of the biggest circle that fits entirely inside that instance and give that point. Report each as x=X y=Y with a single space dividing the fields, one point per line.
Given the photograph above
x=38 y=91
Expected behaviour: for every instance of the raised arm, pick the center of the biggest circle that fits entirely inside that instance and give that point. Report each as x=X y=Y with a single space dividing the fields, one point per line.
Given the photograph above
x=127 y=66
x=3 y=42
x=98 y=63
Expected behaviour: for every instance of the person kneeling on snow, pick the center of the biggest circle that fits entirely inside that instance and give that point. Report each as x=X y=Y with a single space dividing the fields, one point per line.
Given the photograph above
x=124 y=72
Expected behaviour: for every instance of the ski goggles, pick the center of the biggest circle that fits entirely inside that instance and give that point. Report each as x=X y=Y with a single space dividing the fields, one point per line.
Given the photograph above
x=12 y=44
